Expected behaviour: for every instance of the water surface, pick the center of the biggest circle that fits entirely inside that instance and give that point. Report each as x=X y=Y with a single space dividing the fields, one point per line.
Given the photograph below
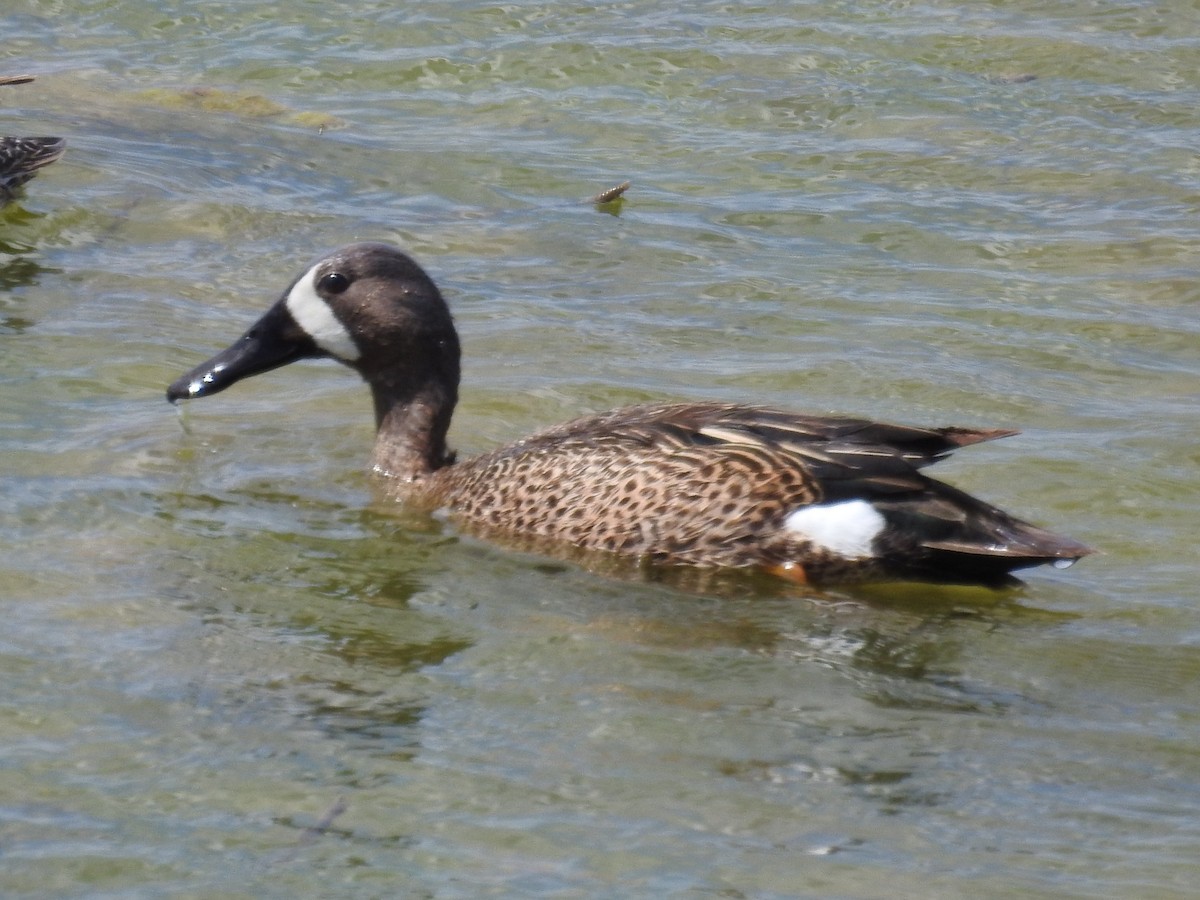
x=231 y=670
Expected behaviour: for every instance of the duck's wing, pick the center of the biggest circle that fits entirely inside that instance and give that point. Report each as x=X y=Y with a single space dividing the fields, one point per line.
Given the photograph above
x=21 y=157
x=831 y=448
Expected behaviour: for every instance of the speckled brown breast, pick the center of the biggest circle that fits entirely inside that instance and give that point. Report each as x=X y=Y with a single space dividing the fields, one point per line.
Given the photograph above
x=671 y=484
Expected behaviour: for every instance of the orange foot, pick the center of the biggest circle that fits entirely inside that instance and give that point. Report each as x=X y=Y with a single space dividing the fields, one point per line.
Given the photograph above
x=791 y=571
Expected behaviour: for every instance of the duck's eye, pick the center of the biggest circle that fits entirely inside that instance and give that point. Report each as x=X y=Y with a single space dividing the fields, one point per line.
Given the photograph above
x=333 y=283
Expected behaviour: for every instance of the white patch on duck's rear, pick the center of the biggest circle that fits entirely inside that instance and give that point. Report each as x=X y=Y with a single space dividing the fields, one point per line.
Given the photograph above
x=848 y=528
x=316 y=317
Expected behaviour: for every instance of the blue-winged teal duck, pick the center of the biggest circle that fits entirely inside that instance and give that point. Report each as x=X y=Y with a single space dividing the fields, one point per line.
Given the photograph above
x=21 y=157
x=813 y=499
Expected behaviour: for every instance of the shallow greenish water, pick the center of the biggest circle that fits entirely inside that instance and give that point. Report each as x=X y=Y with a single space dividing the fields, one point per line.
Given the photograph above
x=231 y=670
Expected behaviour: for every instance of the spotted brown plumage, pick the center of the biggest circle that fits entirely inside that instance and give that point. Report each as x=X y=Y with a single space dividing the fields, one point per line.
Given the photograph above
x=818 y=499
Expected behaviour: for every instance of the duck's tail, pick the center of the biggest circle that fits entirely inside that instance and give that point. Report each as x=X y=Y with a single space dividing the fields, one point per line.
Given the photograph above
x=962 y=539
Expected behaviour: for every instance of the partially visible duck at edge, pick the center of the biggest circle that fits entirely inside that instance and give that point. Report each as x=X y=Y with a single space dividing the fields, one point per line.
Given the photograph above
x=814 y=499
x=21 y=157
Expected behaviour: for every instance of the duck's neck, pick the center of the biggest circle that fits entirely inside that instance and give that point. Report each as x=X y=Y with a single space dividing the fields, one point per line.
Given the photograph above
x=411 y=426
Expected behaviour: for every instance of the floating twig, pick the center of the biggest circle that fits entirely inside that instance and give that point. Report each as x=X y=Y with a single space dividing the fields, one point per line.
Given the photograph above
x=315 y=831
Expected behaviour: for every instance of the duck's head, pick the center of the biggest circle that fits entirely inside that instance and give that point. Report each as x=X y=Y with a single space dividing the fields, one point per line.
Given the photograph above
x=366 y=305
